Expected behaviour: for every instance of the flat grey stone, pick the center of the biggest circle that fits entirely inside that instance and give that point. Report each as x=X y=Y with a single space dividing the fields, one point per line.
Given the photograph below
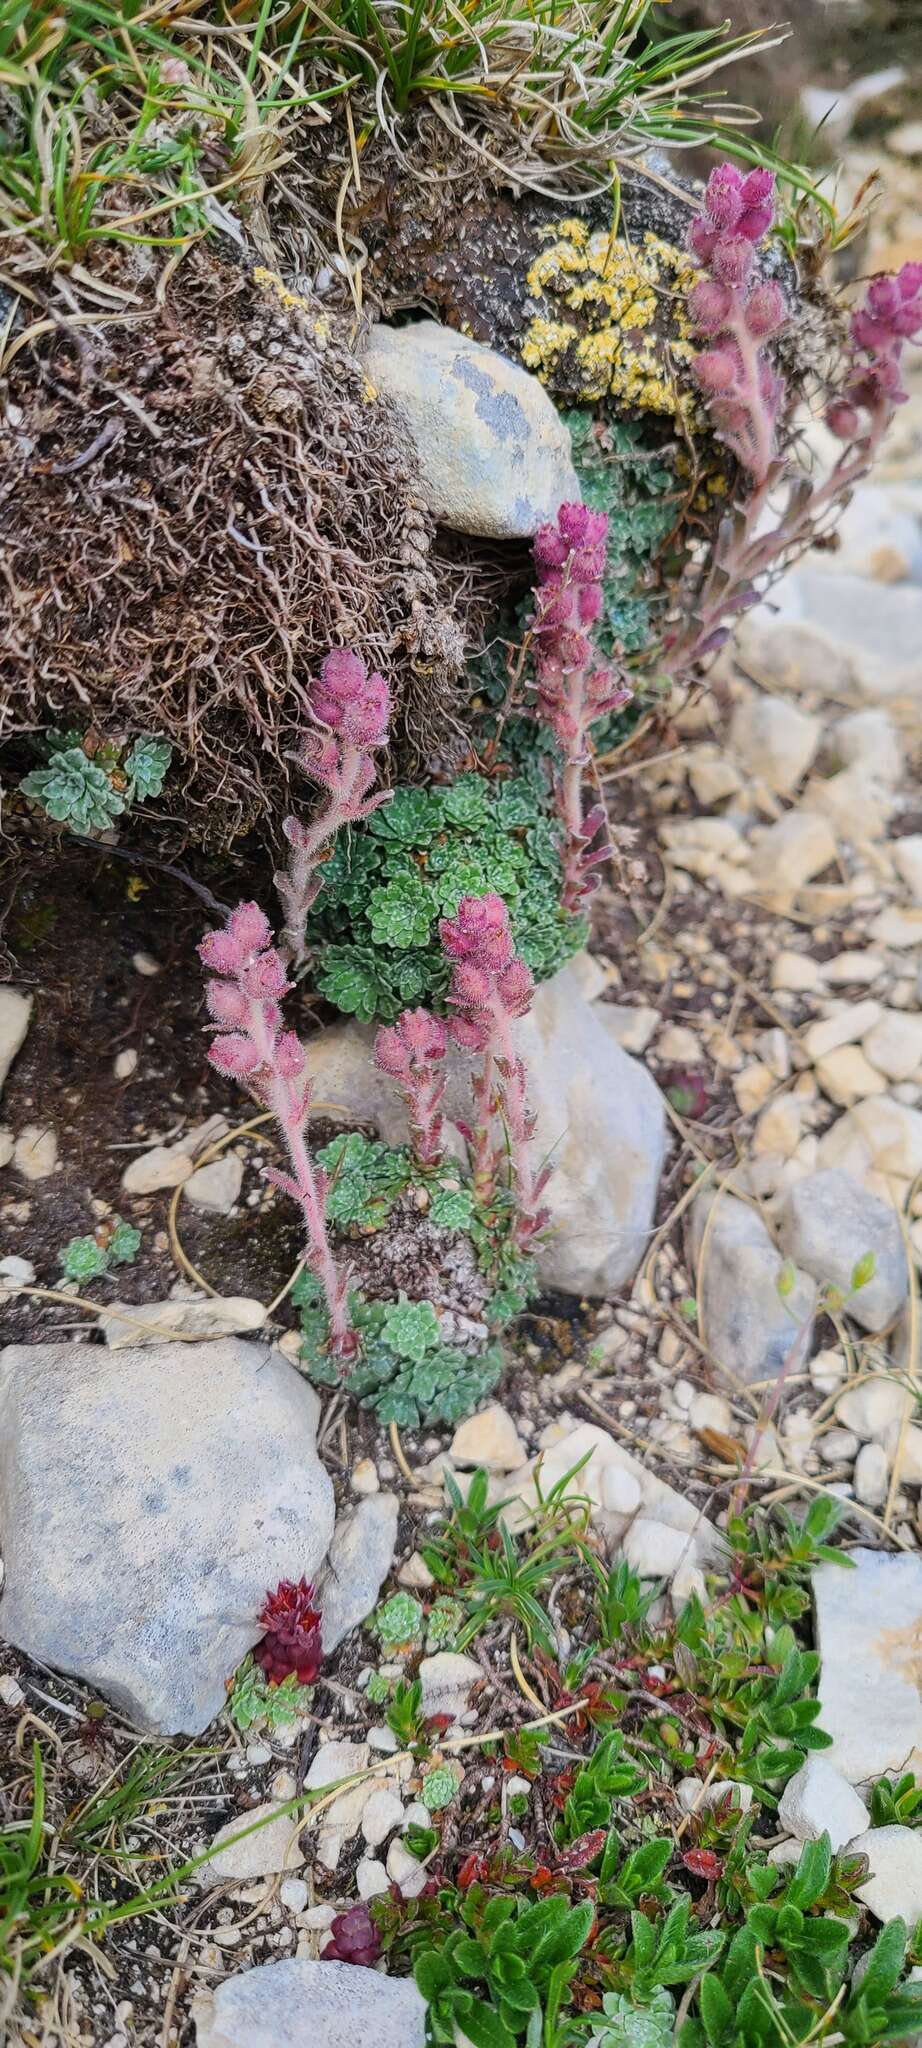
x=148 y=1501
x=828 y=1222
x=15 y=1011
x=869 y=1636
x=361 y=1555
x=747 y=1326
x=297 y=2004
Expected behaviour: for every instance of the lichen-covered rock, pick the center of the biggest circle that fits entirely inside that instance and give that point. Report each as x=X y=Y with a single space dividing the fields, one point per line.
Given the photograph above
x=148 y=1500
x=494 y=454
x=600 y=1120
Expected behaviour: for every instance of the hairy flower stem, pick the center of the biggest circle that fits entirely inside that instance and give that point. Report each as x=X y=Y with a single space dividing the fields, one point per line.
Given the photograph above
x=352 y=709
x=484 y=1157
x=299 y=887
x=520 y=1123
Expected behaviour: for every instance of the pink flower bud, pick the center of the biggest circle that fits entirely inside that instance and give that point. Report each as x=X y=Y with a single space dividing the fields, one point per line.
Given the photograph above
x=234 y=1054
x=226 y=1002
x=723 y=198
x=479 y=932
x=842 y=419
x=766 y=310
x=709 y=305
x=390 y=1052
x=471 y=986
x=732 y=259
x=423 y=1035
x=716 y=369
x=265 y=977
x=221 y=952
x=516 y=987
x=470 y=1036
x=591 y=603
x=702 y=239
x=755 y=222
x=289 y=1055
x=550 y=549
x=249 y=927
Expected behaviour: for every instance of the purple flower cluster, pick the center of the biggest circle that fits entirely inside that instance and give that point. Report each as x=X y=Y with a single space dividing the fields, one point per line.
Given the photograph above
x=737 y=314
x=890 y=316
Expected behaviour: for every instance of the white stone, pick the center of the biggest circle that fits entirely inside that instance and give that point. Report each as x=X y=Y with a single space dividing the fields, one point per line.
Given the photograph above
x=884 y=1134
x=775 y=740
x=858 y=969
x=837 y=1446
x=361 y=1555
x=11 y=1692
x=632 y=1027
x=125 y=1063
x=273 y=1847
x=711 y=1411
x=493 y=452
x=869 y=1628
x=7 y=1146
x=694 y=1796
x=216 y=1187
x=301 y=2004
x=371 y=1878
x=792 y=851
x=620 y=1490
x=796 y=972
x=898 y=928
x=192 y=1484
x=335 y=1761
x=655 y=1550
x=819 y=1799
x=490 y=1439
x=15 y=1012
x=415 y=1573
x=907 y=859
x=893 y=1888
x=827 y=1370
x=872 y=1408
x=871 y=1475
x=383 y=1813
x=699 y=844
x=894 y=1045
x=35 y=1154
x=844 y=1027
x=869 y=741
x=678 y=1043
x=164 y=1166
x=129 y=1324
x=363 y=1478
x=405 y=1871
x=858 y=806
x=747 y=1326
x=828 y=1223
x=712 y=776
x=847 y=1076
x=446 y=1679
x=597 y=1454
x=779 y=1127
x=293 y=1894
x=16 y=1272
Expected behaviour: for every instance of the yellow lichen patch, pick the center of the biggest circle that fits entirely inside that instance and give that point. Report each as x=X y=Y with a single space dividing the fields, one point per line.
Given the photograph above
x=632 y=326
x=269 y=281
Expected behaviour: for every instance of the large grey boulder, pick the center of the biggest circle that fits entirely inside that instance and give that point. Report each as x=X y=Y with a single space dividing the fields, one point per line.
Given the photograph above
x=828 y=1223
x=600 y=1120
x=748 y=1327
x=493 y=451
x=297 y=2004
x=148 y=1501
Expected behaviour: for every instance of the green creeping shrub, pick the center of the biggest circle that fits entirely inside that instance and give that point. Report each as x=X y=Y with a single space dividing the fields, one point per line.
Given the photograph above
x=406 y=1374
x=896 y=1801
x=388 y=881
x=87 y=784
x=506 y=1962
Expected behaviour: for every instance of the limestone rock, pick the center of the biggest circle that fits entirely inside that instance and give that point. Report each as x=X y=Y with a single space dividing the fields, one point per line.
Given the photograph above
x=146 y=1502
x=164 y=1166
x=300 y=2004
x=883 y=1135
x=446 y=1681
x=600 y=1120
x=907 y=859
x=869 y=1622
x=775 y=740
x=872 y=1408
x=617 y=1484
x=490 y=1439
x=131 y=1324
x=748 y=1328
x=216 y=1187
x=791 y=852
x=894 y=1045
x=828 y=1222
x=493 y=451
x=818 y=1799
x=893 y=1888
x=869 y=740
x=361 y=1555
x=15 y=1012
x=871 y=1475
x=269 y=1849
x=35 y=1153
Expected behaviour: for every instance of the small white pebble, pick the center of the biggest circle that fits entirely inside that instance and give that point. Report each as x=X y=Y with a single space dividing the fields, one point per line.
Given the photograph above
x=16 y=1272
x=11 y=1692
x=125 y=1064
x=364 y=1477
x=371 y=1878
x=294 y=1894
x=320 y=1916
x=258 y=1753
x=144 y=963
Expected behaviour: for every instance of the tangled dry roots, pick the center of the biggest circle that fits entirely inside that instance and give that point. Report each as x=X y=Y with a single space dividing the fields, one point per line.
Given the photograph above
x=196 y=502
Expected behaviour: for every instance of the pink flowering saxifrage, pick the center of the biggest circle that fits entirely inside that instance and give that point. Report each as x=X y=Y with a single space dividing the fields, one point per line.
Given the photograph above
x=352 y=709
x=412 y=1052
x=490 y=988
x=891 y=316
x=574 y=685
x=247 y=980
x=737 y=312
